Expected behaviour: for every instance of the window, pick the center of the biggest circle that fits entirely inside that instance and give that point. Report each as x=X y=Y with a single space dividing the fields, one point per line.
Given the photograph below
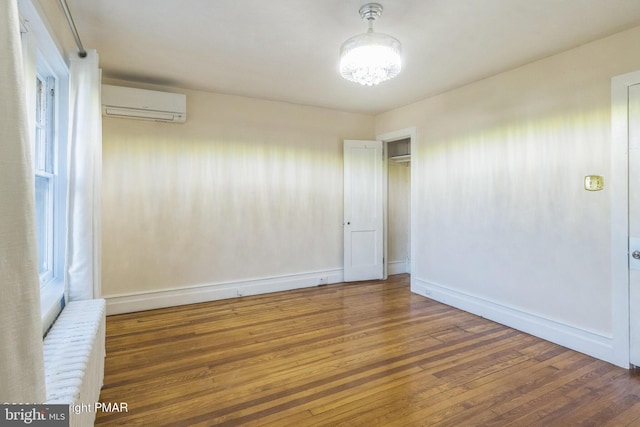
x=46 y=77
x=49 y=100
x=45 y=175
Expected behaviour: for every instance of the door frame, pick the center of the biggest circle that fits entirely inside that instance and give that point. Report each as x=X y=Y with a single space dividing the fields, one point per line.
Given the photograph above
x=620 y=214
x=386 y=138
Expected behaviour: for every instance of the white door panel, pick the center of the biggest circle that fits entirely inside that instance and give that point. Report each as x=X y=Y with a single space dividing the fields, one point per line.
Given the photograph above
x=363 y=210
x=634 y=224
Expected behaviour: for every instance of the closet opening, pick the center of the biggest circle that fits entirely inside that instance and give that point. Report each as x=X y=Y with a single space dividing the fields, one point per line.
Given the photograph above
x=398 y=206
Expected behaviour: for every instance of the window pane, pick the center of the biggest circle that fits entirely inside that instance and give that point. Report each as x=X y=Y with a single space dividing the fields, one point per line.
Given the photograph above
x=39 y=99
x=49 y=124
x=45 y=116
x=43 y=224
x=40 y=149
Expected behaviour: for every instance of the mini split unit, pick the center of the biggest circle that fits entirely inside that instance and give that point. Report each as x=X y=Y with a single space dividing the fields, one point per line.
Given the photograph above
x=141 y=104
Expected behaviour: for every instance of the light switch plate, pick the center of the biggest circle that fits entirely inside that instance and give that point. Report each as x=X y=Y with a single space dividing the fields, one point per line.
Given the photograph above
x=593 y=183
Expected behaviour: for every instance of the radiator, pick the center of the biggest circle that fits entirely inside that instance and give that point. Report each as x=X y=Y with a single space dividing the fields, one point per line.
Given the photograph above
x=74 y=351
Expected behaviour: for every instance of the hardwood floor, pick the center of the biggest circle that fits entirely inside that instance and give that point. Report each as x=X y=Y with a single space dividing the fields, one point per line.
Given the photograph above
x=350 y=354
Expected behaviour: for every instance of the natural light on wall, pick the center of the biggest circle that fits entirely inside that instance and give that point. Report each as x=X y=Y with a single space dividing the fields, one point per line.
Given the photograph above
x=370 y=58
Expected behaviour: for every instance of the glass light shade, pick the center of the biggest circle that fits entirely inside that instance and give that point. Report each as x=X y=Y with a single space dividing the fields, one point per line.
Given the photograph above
x=370 y=58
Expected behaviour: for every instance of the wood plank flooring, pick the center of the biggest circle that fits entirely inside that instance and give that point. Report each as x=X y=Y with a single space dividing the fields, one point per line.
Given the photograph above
x=369 y=354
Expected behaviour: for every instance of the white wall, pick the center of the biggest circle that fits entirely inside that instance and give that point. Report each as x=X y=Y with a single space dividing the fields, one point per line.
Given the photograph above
x=503 y=225
x=246 y=190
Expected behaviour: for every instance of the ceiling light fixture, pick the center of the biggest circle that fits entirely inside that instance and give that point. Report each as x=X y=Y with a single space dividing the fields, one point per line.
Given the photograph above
x=370 y=58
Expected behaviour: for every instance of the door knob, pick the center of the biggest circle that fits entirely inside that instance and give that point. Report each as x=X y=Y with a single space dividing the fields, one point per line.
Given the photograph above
x=636 y=254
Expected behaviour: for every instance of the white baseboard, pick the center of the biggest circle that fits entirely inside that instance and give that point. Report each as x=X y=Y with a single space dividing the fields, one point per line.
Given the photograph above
x=587 y=342
x=139 y=301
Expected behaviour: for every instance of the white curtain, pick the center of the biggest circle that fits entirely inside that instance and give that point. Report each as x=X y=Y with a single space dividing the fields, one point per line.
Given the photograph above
x=85 y=171
x=21 y=362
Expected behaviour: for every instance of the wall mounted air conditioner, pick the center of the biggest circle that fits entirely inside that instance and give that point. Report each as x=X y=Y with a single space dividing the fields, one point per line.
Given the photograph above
x=142 y=104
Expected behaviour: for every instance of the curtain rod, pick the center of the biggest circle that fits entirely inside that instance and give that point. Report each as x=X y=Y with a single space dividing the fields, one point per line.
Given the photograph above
x=82 y=52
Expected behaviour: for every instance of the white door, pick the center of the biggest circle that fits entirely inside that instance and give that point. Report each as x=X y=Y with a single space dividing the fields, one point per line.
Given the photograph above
x=363 y=210
x=634 y=224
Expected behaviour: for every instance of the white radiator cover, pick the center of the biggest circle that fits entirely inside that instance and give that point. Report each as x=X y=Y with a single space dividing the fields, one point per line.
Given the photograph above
x=74 y=351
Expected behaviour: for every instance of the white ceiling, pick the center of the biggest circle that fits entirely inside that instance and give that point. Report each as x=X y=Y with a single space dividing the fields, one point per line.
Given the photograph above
x=287 y=50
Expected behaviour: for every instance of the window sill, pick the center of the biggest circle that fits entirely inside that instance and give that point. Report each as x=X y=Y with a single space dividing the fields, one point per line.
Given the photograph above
x=50 y=303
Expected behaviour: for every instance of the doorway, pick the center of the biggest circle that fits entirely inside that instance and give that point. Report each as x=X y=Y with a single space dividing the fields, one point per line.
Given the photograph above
x=634 y=223
x=399 y=146
x=625 y=225
x=377 y=236
x=398 y=216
